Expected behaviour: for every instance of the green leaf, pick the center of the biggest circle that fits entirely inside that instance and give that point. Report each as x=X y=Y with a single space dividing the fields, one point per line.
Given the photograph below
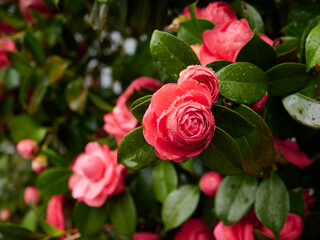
x=56 y=66
x=287 y=78
x=223 y=154
x=188 y=33
x=218 y=65
x=235 y=197
x=257 y=52
x=20 y=63
x=313 y=48
x=16 y=232
x=252 y=15
x=179 y=206
x=76 y=95
x=29 y=220
x=53 y=181
x=230 y=121
x=55 y=158
x=106 y=1
x=89 y=220
x=164 y=180
x=286 y=44
x=98 y=16
x=140 y=106
x=258 y=141
x=34 y=45
x=171 y=54
x=9 y=78
x=242 y=82
x=272 y=203
x=134 y=152
x=192 y=11
x=297 y=204
x=260 y=235
x=23 y=126
x=49 y=229
x=38 y=94
x=100 y=102
x=123 y=214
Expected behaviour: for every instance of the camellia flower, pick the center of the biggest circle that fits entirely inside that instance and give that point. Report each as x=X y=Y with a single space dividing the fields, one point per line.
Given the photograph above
x=178 y=121
x=6 y=45
x=210 y=182
x=6 y=28
x=55 y=215
x=31 y=194
x=5 y=214
x=291 y=230
x=97 y=175
x=194 y=229
x=308 y=200
x=27 y=148
x=145 y=236
x=39 y=163
x=224 y=41
x=290 y=150
x=202 y=75
x=120 y=121
x=26 y=7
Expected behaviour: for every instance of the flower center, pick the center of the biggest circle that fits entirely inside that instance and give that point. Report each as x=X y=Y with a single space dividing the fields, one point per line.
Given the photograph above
x=94 y=169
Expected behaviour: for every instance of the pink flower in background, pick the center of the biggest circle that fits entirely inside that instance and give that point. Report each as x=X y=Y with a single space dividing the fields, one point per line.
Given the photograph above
x=5 y=214
x=290 y=150
x=26 y=7
x=31 y=194
x=258 y=106
x=194 y=229
x=186 y=12
x=224 y=41
x=6 y=45
x=203 y=75
x=120 y=121
x=178 y=121
x=210 y=182
x=55 y=215
x=308 y=200
x=145 y=236
x=6 y=28
x=27 y=148
x=97 y=175
x=39 y=163
x=291 y=230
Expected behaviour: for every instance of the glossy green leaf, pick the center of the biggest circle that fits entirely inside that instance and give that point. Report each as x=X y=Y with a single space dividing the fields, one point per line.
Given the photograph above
x=188 y=33
x=254 y=143
x=230 y=121
x=252 y=15
x=89 y=220
x=23 y=126
x=9 y=78
x=193 y=15
x=235 y=197
x=313 y=48
x=20 y=63
x=297 y=204
x=35 y=46
x=287 y=78
x=134 y=152
x=164 y=180
x=53 y=181
x=257 y=52
x=140 y=106
x=49 y=229
x=222 y=155
x=38 y=94
x=260 y=235
x=123 y=214
x=55 y=158
x=56 y=67
x=242 y=82
x=76 y=95
x=171 y=54
x=218 y=65
x=16 y=232
x=100 y=102
x=29 y=220
x=272 y=203
x=285 y=44
x=179 y=206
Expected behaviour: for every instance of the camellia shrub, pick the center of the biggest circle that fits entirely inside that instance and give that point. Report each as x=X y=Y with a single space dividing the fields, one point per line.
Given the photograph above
x=151 y=120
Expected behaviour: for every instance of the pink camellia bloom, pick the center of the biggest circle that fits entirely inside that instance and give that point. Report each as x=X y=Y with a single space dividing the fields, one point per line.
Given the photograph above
x=27 y=148
x=194 y=229
x=308 y=200
x=6 y=45
x=120 y=121
x=97 y=175
x=210 y=182
x=26 y=7
x=178 y=121
x=31 y=194
x=6 y=28
x=242 y=230
x=5 y=214
x=55 y=215
x=258 y=106
x=39 y=163
x=145 y=236
x=202 y=75
x=224 y=41
x=290 y=150
x=291 y=230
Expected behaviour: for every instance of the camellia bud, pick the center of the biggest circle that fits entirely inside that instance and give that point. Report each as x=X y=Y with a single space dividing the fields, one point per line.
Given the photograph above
x=39 y=163
x=258 y=106
x=174 y=26
x=31 y=194
x=27 y=148
x=209 y=183
x=5 y=214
